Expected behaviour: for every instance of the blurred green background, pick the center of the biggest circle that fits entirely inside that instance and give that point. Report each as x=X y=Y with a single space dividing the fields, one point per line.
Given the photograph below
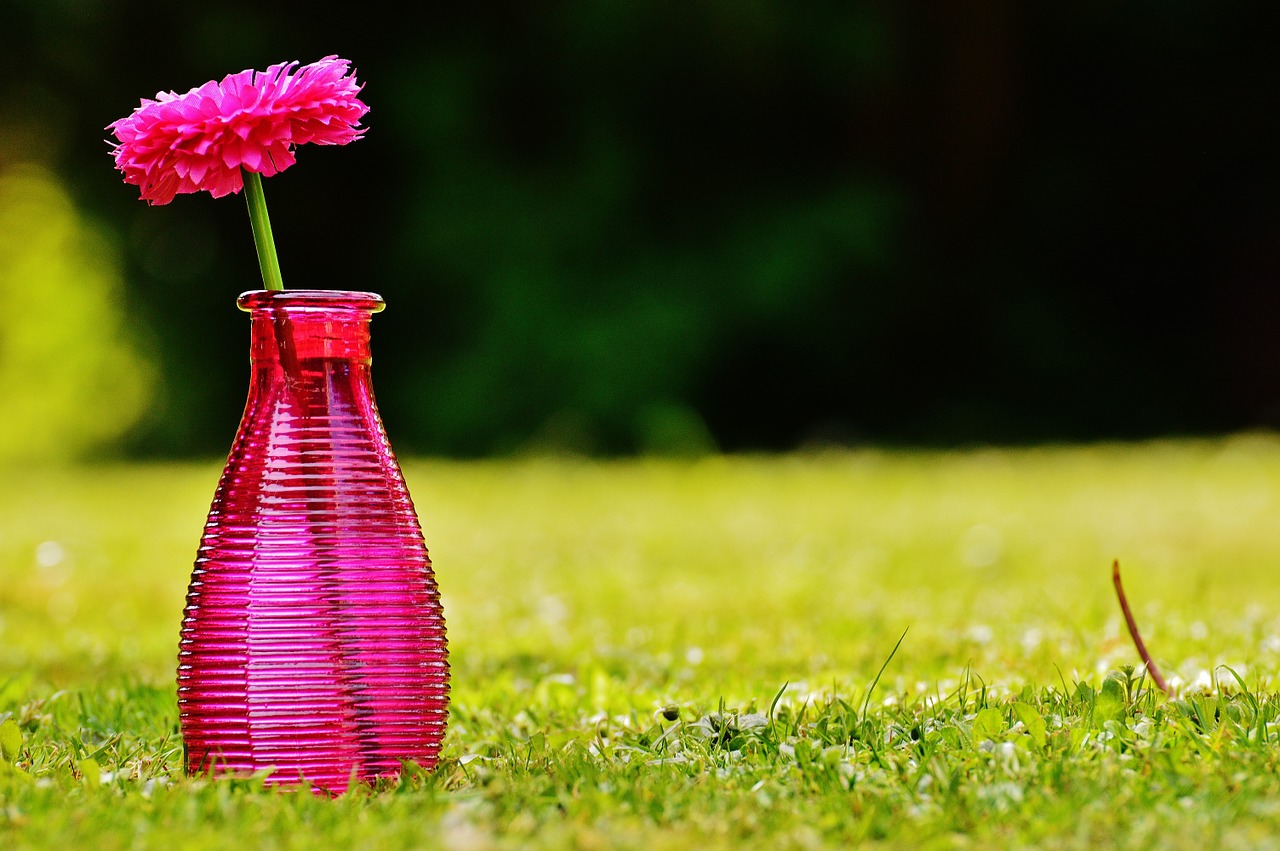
x=610 y=226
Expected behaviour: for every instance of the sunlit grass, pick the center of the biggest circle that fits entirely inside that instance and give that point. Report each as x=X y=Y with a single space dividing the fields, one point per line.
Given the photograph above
x=585 y=599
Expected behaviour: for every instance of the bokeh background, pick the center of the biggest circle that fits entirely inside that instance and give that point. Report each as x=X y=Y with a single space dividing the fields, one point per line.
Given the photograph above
x=611 y=226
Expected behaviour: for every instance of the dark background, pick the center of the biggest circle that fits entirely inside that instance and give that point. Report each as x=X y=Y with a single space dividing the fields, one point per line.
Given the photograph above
x=613 y=226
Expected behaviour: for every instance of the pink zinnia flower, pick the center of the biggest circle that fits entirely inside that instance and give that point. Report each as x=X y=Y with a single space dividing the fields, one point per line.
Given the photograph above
x=252 y=120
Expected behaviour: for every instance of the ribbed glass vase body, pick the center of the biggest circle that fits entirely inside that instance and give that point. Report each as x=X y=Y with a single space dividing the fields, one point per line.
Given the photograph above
x=313 y=641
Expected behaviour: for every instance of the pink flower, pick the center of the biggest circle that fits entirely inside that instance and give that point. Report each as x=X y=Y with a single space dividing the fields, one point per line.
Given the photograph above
x=252 y=120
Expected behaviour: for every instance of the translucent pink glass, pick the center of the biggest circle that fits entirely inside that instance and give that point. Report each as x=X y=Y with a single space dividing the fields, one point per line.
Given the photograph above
x=313 y=641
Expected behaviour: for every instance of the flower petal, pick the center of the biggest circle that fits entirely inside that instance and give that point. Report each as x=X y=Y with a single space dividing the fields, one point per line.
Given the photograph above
x=200 y=140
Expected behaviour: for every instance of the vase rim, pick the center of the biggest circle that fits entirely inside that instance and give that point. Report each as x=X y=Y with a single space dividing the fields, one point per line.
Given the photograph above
x=313 y=299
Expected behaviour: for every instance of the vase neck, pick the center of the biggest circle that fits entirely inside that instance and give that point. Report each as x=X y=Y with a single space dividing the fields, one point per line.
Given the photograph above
x=297 y=328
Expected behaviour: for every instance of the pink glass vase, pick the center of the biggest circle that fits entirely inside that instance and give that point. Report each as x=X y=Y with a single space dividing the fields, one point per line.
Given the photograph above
x=313 y=642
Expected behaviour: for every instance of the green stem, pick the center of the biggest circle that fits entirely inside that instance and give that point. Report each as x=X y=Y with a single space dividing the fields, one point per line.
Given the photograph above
x=262 y=238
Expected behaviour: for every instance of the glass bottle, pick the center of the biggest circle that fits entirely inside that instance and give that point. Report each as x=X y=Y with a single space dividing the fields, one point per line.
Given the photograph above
x=313 y=642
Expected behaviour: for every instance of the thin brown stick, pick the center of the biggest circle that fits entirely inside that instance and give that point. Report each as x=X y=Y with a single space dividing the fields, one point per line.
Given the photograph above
x=1133 y=631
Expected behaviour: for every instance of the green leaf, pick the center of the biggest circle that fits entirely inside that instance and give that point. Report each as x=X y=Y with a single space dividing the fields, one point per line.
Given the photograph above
x=989 y=724
x=1110 y=703
x=1075 y=738
x=1032 y=720
x=10 y=740
x=90 y=771
x=13 y=772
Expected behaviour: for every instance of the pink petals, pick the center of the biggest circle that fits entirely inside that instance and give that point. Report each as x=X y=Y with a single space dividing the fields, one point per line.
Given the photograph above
x=199 y=141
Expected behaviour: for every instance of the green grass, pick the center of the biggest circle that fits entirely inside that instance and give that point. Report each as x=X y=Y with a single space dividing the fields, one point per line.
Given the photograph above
x=663 y=654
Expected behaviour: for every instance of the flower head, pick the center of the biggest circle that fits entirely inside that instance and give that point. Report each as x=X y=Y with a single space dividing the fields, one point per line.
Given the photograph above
x=200 y=141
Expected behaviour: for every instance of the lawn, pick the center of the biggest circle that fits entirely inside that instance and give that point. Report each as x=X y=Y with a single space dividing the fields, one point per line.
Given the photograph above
x=669 y=654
